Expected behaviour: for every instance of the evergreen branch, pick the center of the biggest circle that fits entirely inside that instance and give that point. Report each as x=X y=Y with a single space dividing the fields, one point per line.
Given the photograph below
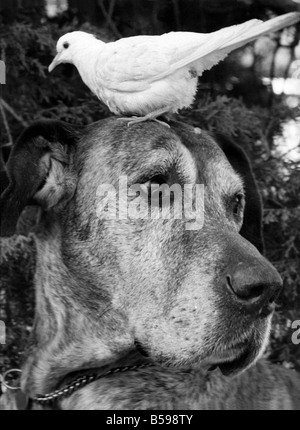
x=17 y=248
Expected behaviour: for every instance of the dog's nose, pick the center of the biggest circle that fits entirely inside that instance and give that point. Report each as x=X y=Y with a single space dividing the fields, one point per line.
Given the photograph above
x=255 y=287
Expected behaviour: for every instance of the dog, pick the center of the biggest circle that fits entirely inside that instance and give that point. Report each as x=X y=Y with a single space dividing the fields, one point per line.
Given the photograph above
x=144 y=312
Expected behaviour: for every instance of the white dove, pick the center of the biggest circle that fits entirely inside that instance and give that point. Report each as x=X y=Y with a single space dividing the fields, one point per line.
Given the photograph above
x=148 y=76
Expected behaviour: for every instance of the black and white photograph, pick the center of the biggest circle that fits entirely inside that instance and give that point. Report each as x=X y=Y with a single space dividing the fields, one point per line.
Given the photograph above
x=149 y=207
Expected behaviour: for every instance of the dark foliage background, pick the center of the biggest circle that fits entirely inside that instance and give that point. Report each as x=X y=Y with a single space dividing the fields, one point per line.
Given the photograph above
x=231 y=99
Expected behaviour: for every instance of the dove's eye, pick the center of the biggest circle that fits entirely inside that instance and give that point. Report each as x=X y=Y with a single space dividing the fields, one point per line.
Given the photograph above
x=66 y=45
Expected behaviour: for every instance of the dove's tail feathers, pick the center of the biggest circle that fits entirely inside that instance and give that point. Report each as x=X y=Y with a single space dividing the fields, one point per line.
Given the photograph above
x=240 y=35
x=222 y=42
x=261 y=28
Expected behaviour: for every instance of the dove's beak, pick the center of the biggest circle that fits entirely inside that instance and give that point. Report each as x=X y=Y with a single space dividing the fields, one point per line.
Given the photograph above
x=54 y=63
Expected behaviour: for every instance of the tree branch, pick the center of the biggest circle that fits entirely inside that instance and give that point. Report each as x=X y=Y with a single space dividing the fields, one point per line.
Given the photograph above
x=13 y=112
x=5 y=122
x=177 y=14
x=111 y=8
x=108 y=17
x=284 y=5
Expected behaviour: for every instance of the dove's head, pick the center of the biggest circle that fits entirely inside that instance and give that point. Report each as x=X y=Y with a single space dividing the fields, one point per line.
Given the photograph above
x=69 y=45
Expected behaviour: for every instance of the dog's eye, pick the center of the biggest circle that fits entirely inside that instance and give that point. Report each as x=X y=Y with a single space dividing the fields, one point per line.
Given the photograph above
x=156 y=180
x=157 y=190
x=154 y=190
x=153 y=183
x=148 y=187
x=239 y=204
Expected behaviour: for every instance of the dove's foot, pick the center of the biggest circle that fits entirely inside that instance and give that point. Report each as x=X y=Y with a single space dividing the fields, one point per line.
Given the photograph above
x=152 y=116
x=137 y=119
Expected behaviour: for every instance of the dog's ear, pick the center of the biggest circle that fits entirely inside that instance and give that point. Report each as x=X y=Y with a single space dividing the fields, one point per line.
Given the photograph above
x=252 y=224
x=39 y=171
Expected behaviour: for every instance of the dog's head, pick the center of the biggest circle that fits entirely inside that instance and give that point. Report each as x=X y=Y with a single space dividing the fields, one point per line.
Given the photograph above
x=184 y=282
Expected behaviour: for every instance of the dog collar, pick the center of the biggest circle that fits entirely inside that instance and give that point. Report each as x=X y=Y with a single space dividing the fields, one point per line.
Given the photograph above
x=24 y=402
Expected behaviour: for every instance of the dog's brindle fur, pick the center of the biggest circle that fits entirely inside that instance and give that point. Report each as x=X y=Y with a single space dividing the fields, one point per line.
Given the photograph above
x=116 y=292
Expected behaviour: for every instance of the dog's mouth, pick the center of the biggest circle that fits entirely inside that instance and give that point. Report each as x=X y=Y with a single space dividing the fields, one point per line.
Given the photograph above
x=237 y=358
x=231 y=354
x=241 y=362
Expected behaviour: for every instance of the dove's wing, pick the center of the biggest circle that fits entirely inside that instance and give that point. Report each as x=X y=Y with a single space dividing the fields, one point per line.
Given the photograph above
x=131 y=64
